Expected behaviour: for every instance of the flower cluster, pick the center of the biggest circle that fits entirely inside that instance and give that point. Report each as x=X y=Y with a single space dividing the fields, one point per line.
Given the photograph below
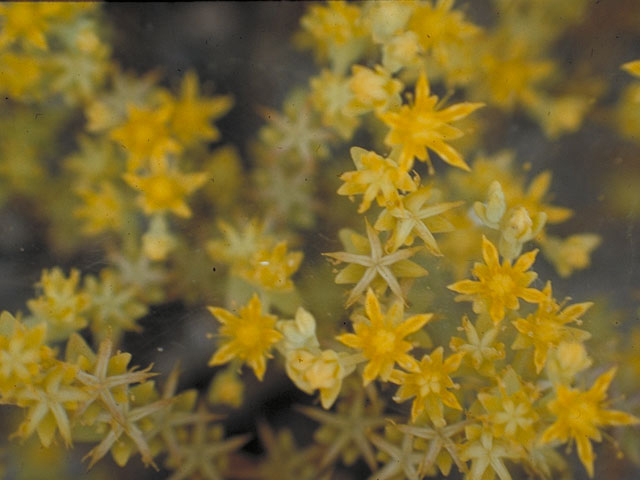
x=449 y=353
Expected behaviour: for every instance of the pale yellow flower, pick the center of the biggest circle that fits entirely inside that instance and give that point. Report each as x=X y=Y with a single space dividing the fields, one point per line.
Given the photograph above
x=429 y=382
x=373 y=90
x=376 y=178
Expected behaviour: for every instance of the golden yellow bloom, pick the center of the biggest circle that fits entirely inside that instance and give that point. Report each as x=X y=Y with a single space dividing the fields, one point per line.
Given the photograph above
x=373 y=90
x=547 y=327
x=249 y=336
x=580 y=414
x=165 y=188
x=192 y=115
x=272 y=268
x=381 y=338
x=145 y=135
x=499 y=286
x=375 y=178
x=429 y=381
x=419 y=126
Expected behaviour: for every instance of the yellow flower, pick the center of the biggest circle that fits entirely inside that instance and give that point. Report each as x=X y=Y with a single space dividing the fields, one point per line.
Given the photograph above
x=272 y=268
x=580 y=414
x=499 y=286
x=510 y=72
x=487 y=454
x=62 y=305
x=192 y=115
x=330 y=95
x=429 y=382
x=23 y=352
x=334 y=31
x=439 y=28
x=571 y=253
x=158 y=241
x=49 y=402
x=546 y=328
x=533 y=200
x=145 y=135
x=321 y=371
x=26 y=22
x=298 y=333
x=373 y=90
x=420 y=126
x=165 y=188
x=411 y=217
x=381 y=338
x=102 y=210
x=402 y=51
x=481 y=351
x=510 y=411
x=249 y=336
x=239 y=245
x=376 y=178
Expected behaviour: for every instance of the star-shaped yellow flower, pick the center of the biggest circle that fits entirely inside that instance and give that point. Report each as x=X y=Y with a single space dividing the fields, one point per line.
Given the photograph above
x=381 y=338
x=581 y=414
x=420 y=126
x=499 y=286
x=145 y=135
x=250 y=336
x=165 y=188
x=192 y=114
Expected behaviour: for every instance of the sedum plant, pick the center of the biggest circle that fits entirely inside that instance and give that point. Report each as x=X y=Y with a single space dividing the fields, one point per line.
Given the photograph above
x=454 y=351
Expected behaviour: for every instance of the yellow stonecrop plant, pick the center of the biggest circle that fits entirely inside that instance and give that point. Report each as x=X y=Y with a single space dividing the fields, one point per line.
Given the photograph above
x=450 y=354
